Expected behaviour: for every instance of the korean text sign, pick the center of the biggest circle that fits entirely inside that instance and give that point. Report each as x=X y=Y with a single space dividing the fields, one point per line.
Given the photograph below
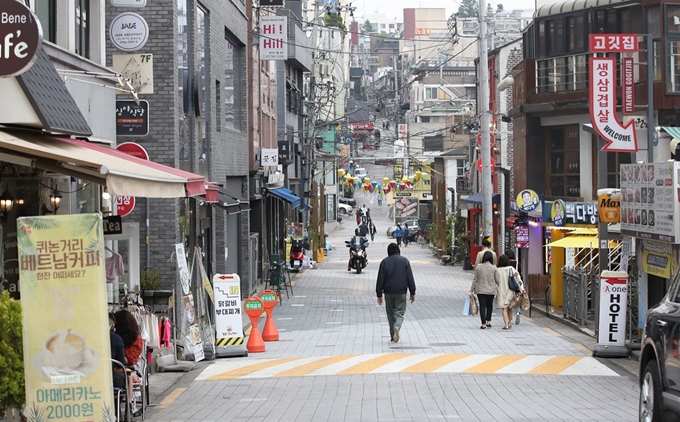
x=228 y=317
x=613 y=43
x=65 y=321
x=273 y=38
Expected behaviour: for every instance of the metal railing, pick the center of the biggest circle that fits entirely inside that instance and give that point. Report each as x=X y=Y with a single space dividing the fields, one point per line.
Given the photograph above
x=564 y=73
x=575 y=290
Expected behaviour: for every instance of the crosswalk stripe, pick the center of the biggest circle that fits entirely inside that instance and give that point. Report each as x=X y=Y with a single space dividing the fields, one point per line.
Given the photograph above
x=373 y=364
x=249 y=369
x=434 y=363
x=493 y=365
x=555 y=365
x=314 y=366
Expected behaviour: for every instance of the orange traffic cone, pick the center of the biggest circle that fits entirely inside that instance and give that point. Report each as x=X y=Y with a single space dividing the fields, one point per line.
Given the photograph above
x=270 y=333
x=255 y=342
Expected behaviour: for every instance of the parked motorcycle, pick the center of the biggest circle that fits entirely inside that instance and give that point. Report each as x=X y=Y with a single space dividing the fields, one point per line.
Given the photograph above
x=296 y=254
x=358 y=259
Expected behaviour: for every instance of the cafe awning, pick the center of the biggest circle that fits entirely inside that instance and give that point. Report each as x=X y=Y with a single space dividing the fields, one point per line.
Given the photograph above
x=673 y=131
x=286 y=195
x=122 y=174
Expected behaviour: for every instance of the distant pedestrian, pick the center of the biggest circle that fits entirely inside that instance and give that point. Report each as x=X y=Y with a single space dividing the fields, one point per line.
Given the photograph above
x=398 y=234
x=363 y=229
x=484 y=286
x=513 y=263
x=407 y=233
x=394 y=279
x=380 y=199
x=486 y=246
x=503 y=293
x=372 y=230
x=358 y=214
x=368 y=214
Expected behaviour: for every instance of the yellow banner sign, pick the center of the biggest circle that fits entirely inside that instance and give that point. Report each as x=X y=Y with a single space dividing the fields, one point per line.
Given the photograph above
x=656 y=263
x=65 y=323
x=609 y=208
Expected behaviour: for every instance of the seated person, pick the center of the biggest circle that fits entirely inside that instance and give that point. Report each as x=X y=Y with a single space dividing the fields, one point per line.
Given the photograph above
x=117 y=353
x=128 y=329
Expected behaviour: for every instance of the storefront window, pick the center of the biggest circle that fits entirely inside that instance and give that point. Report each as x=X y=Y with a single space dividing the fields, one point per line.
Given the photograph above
x=563 y=146
x=672 y=19
x=229 y=84
x=183 y=85
x=83 y=28
x=203 y=90
x=87 y=197
x=46 y=13
x=654 y=27
x=614 y=160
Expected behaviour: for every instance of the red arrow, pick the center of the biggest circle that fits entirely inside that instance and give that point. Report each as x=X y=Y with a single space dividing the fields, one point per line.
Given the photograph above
x=619 y=138
x=224 y=277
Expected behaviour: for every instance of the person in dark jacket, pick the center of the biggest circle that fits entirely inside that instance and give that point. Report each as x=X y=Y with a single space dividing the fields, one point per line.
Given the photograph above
x=394 y=279
x=117 y=353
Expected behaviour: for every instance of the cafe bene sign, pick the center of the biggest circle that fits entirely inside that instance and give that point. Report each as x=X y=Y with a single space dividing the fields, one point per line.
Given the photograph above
x=20 y=38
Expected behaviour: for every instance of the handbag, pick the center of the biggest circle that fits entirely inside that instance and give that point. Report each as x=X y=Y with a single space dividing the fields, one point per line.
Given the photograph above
x=512 y=283
x=515 y=301
x=474 y=308
x=466 y=306
x=525 y=303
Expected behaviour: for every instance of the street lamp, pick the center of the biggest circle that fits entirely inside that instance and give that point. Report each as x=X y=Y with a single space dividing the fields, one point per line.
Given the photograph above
x=6 y=202
x=55 y=200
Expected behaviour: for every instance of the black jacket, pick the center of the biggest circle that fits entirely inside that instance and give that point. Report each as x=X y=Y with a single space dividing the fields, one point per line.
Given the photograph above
x=395 y=276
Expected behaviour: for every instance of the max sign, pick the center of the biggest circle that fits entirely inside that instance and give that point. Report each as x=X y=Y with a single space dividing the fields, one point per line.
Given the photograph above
x=20 y=38
x=619 y=138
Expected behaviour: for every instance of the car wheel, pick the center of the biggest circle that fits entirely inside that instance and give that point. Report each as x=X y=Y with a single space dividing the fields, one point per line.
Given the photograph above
x=650 y=394
x=343 y=211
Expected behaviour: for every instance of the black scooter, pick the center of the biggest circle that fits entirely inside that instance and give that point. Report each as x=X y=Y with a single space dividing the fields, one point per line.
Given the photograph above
x=357 y=254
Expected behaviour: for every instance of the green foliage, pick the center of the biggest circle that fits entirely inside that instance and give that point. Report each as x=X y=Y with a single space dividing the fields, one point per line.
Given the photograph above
x=462 y=237
x=468 y=9
x=12 y=395
x=499 y=8
x=150 y=279
x=367 y=27
x=489 y=10
x=335 y=20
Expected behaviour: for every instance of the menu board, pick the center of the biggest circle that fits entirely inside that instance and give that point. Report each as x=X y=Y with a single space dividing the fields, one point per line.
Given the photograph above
x=649 y=202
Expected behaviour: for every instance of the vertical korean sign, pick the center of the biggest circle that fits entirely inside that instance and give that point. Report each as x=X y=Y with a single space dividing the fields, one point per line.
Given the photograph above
x=273 y=37
x=619 y=137
x=65 y=322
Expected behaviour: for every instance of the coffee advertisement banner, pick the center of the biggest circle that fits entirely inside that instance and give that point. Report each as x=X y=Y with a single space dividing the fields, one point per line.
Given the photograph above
x=65 y=321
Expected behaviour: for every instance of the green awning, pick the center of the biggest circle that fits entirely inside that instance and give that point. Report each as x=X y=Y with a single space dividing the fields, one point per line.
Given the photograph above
x=673 y=131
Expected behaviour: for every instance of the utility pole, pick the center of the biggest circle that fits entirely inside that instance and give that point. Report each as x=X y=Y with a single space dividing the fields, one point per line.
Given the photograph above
x=311 y=123
x=487 y=187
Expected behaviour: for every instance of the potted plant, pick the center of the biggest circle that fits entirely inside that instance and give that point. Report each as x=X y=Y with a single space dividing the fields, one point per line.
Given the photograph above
x=12 y=394
x=149 y=281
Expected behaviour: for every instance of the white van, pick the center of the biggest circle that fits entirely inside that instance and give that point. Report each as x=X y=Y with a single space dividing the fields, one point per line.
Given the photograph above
x=360 y=172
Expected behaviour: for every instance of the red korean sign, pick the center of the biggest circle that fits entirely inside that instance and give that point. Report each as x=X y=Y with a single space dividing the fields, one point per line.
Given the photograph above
x=492 y=139
x=522 y=237
x=613 y=43
x=619 y=138
x=628 y=85
x=125 y=204
x=479 y=164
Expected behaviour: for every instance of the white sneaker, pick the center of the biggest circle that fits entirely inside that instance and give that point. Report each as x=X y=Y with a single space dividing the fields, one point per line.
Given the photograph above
x=395 y=337
x=517 y=318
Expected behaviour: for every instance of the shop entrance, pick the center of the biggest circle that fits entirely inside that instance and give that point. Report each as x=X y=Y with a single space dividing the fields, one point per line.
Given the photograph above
x=123 y=247
x=657 y=288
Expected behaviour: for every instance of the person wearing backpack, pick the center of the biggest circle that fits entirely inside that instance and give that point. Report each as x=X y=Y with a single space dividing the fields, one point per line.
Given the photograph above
x=398 y=234
x=505 y=291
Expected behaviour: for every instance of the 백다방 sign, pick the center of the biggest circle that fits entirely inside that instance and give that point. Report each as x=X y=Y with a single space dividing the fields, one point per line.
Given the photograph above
x=619 y=138
x=613 y=306
x=273 y=38
x=228 y=316
x=20 y=38
x=650 y=201
x=129 y=31
x=65 y=324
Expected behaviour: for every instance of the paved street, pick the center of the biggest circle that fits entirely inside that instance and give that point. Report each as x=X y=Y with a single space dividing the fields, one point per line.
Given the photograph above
x=335 y=362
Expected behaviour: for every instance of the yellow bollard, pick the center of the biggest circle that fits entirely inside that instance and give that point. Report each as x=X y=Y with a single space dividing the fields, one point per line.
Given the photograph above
x=320 y=255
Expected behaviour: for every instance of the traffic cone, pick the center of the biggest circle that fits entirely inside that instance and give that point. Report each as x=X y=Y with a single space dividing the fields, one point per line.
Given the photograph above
x=255 y=343
x=270 y=333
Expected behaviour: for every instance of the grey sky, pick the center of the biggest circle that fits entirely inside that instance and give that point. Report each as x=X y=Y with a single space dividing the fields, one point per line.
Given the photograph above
x=394 y=8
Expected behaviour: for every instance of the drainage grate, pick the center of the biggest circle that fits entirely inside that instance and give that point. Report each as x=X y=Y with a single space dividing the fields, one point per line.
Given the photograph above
x=447 y=344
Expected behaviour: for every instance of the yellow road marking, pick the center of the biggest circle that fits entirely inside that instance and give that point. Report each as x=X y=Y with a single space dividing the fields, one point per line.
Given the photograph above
x=553 y=332
x=313 y=366
x=170 y=398
x=433 y=364
x=494 y=364
x=555 y=365
x=247 y=370
x=247 y=332
x=582 y=348
x=372 y=364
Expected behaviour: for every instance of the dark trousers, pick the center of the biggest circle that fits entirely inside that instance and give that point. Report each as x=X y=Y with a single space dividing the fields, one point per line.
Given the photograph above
x=399 y=241
x=485 y=307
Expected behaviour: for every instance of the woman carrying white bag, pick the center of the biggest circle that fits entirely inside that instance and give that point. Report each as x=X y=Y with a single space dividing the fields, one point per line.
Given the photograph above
x=484 y=286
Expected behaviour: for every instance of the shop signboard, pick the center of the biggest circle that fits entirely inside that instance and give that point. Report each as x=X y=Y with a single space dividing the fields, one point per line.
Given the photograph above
x=273 y=38
x=182 y=267
x=20 y=38
x=656 y=258
x=132 y=118
x=137 y=69
x=129 y=31
x=462 y=185
x=613 y=43
x=609 y=205
x=113 y=224
x=527 y=200
x=574 y=212
x=269 y=157
x=125 y=204
x=129 y=3
x=649 y=201
x=613 y=306
x=522 y=237
x=628 y=85
x=406 y=208
x=228 y=317
x=558 y=212
x=602 y=94
x=65 y=317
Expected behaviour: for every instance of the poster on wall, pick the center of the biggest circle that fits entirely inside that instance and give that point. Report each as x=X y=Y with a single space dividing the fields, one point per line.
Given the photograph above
x=405 y=208
x=65 y=317
x=649 y=201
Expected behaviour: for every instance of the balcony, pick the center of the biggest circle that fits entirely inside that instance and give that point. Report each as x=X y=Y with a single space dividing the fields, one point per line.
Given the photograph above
x=558 y=74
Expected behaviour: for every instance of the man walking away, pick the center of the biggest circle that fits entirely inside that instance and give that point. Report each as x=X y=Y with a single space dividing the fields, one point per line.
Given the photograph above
x=398 y=233
x=407 y=233
x=394 y=278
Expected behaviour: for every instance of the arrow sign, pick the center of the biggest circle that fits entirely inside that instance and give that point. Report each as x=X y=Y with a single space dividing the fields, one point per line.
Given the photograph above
x=619 y=138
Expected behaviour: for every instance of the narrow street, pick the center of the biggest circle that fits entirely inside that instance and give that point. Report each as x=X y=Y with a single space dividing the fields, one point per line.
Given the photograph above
x=335 y=362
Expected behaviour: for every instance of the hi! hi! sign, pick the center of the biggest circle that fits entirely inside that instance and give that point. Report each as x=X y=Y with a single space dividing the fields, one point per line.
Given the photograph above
x=273 y=37
x=619 y=137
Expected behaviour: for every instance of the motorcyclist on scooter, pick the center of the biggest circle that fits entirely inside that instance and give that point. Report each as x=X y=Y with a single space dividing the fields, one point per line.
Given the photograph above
x=356 y=242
